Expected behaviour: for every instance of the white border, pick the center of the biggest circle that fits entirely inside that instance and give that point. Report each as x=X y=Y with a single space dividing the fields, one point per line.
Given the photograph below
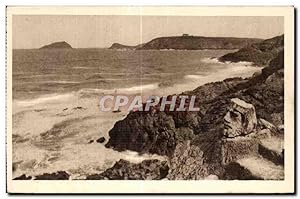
x=285 y=186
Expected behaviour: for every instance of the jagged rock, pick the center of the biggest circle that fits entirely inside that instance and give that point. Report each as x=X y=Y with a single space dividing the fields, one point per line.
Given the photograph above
x=23 y=177
x=124 y=170
x=277 y=119
x=240 y=119
x=144 y=132
x=264 y=124
x=187 y=163
x=60 y=175
x=272 y=149
x=101 y=140
x=259 y=53
x=253 y=168
x=237 y=148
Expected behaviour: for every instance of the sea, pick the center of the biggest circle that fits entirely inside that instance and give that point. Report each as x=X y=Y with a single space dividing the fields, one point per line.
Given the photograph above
x=56 y=119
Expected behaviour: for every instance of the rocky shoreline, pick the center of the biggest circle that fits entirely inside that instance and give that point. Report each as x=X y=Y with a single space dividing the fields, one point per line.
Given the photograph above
x=237 y=134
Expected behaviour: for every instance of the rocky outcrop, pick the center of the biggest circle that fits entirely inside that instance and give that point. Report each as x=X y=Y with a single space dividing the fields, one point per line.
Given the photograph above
x=124 y=170
x=259 y=53
x=59 y=175
x=23 y=177
x=253 y=168
x=58 y=45
x=101 y=140
x=158 y=132
x=186 y=42
x=144 y=132
x=187 y=163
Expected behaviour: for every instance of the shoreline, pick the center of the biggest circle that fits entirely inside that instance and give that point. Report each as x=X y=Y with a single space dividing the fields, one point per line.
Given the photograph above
x=62 y=127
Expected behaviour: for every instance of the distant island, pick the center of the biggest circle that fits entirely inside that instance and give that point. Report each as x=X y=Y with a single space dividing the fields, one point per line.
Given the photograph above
x=188 y=42
x=56 y=45
x=124 y=47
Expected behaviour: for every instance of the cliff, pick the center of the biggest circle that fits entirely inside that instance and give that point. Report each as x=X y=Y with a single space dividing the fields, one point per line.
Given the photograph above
x=57 y=45
x=258 y=53
x=198 y=43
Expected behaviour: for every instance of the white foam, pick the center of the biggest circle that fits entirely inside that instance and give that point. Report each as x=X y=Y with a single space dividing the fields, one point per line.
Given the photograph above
x=60 y=82
x=45 y=99
x=193 y=76
x=216 y=61
x=126 y=90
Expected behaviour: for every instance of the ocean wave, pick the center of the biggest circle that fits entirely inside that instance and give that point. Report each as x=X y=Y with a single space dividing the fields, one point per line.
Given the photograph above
x=193 y=76
x=44 y=99
x=125 y=90
x=214 y=60
x=82 y=67
x=59 y=82
x=84 y=93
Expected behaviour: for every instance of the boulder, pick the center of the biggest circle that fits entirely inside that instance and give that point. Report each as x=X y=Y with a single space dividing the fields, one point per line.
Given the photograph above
x=264 y=124
x=144 y=132
x=187 y=163
x=240 y=120
x=23 y=177
x=253 y=168
x=101 y=140
x=124 y=170
x=60 y=175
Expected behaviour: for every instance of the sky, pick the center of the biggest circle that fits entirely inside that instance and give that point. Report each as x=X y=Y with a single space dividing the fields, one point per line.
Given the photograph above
x=34 y=31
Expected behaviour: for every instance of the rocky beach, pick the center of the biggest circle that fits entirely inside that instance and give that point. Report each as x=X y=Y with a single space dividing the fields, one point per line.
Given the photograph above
x=237 y=134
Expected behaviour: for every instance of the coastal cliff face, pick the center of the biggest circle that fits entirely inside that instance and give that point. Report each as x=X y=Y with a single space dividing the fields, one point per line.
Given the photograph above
x=259 y=53
x=197 y=43
x=58 y=45
x=179 y=135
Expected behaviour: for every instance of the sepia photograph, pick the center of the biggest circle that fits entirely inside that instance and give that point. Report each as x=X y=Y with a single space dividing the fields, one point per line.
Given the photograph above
x=150 y=99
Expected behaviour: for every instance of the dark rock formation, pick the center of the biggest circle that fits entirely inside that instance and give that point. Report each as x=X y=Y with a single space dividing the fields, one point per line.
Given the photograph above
x=198 y=42
x=23 y=177
x=124 y=170
x=253 y=168
x=144 y=132
x=258 y=53
x=58 y=45
x=101 y=140
x=158 y=132
x=59 y=175
x=187 y=163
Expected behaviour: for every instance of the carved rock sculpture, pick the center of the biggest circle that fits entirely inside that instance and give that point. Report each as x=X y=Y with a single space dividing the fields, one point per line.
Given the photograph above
x=240 y=120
